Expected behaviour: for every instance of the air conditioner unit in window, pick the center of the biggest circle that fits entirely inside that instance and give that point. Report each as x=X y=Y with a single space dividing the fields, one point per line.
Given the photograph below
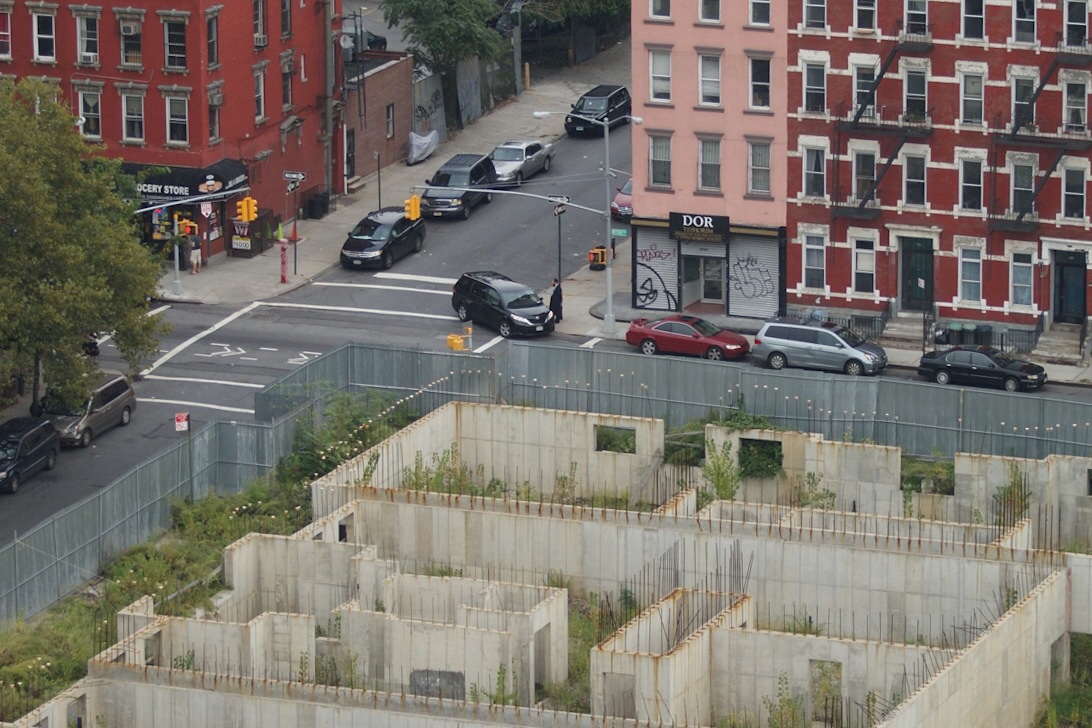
x=261 y=40
x=130 y=28
x=216 y=99
x=89 y=58
x=287 y=66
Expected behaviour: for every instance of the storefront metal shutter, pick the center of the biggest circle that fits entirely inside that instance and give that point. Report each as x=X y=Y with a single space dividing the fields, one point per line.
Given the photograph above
x=656 y=271
x=753 y=276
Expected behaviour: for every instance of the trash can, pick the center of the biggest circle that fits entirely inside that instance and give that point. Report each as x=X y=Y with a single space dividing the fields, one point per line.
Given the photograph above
x=955 y=333
x=983 y=335
x=318 y=205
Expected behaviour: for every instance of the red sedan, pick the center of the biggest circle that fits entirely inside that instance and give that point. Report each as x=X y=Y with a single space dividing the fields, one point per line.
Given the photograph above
x=683 y=334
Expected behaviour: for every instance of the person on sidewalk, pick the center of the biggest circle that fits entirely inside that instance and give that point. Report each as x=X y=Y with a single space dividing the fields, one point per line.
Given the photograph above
x=195 y=253
x=555 y=301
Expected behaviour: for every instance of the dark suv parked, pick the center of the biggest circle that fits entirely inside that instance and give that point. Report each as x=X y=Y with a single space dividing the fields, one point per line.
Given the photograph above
x=27 y=445
x=604 y=103
x=498 y=301
x=474 y=173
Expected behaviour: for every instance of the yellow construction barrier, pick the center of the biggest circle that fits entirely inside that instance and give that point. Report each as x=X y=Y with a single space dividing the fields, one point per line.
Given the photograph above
x=461 y=342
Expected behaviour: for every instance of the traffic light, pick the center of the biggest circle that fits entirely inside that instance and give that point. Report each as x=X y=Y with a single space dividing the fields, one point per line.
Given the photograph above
x=241 y=208
x=413 y=207
x=251 y=209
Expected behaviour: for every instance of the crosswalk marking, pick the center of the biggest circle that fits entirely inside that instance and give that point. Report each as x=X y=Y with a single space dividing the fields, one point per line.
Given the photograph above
x=419 y=279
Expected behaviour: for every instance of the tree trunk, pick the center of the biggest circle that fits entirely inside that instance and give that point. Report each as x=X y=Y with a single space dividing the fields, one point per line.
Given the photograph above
x=35 y=393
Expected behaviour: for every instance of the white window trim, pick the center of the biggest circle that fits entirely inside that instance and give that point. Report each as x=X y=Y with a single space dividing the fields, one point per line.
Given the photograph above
x=851 y=289
x=751 y=82
x=1081 y=165
x=79 y=101
x=1012 y=249
x=963 y=24
x=7 y=10
x=967 y=156
x=751 y=14
x=915 y=151
x=803 y=232
x=962 y=245
x=36 y=37
x=804 y=89
x=804 y=27
x=858 y=195
x=750 y=168
x=125 y=118
x=720 y=163
x=167 y=127
x=651 y=13
x=720 y=79
x=859 y=29
x=1012 y=29
x=1012 y=160
x=963 y=70
x=710 y=21
x=652 y=76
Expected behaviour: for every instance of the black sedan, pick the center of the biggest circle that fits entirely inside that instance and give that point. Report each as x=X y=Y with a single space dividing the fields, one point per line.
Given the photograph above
x=981 y=366
x=381 y=238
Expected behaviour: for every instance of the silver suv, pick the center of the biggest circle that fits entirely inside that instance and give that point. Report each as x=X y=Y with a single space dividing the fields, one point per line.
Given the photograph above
x=785 y=342
x=111 y=403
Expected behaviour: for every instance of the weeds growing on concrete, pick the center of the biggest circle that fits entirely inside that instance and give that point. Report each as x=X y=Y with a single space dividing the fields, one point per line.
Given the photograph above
x=574 y=695
x=721 y=471
x=1070 y=705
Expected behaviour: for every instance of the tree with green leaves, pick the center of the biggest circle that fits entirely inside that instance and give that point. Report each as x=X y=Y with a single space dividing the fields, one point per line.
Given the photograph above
x=443 y=32
x=71 y=261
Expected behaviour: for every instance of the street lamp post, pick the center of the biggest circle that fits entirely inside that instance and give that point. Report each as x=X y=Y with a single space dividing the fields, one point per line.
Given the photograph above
x=608 y=313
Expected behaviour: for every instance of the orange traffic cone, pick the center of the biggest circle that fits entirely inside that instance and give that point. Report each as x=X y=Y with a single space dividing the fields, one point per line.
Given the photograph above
x=294 y=238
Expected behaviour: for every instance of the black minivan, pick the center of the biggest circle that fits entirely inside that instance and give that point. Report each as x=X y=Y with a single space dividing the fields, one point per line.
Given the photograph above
x=605 y=103
x=498 y=301
x=27 y=445
x=473 y=175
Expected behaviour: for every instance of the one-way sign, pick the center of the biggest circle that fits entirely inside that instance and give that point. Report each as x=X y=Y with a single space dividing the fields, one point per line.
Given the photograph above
x=295 y=176
x=563 y=199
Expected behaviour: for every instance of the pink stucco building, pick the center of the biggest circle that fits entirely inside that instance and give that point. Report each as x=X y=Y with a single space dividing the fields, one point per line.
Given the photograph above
x=709 y=160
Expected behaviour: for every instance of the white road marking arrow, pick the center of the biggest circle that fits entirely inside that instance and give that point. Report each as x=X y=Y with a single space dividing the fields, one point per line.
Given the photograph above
x=226 y=352
x=304 y=357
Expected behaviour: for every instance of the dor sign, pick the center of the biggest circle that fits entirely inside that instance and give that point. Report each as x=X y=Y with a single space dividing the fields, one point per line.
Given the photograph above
x=690 y=227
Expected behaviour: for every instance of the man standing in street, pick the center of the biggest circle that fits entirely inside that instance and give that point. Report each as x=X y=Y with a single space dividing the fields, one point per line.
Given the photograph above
x=555 y=301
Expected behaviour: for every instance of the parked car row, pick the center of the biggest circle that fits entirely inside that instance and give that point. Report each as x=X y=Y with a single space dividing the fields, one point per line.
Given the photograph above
x=813 y=344
x=29 y=445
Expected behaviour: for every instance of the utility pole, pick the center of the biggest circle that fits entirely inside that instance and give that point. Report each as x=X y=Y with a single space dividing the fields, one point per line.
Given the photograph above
x=331 y=79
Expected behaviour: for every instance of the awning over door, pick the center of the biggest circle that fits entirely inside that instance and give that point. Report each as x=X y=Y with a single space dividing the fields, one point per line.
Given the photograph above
x=222 y=179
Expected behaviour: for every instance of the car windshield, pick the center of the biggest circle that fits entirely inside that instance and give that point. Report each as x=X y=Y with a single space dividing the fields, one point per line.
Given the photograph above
x=705 y=328
x=594 y=104
x=850 y=337
x=521 y=299
x=451 y=179
x=1001 y=359
x=368 y=229
x=627 y=188
x=54 y=405
x=507 y=154
x=8 y=448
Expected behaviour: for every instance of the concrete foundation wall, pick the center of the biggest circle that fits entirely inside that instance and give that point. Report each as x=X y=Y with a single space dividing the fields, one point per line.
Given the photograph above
x=1002 y=677
x=1080 y=582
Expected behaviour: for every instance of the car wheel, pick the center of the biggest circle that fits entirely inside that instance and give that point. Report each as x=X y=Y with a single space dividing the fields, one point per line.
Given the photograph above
x=505 y=328
x=546 y=164
x=714 y=353
x=488 y=197
x=942 y=377
x=1012 y=385
x=466 y=212
x=777 y=360
x=854 y=368
x=648 y=346
x=518 y=181
x=85 y=438
x=126 y=415
x=13 y=485
x=418 y=243
x=462 y=312
x=51 y=460
x=388 y=260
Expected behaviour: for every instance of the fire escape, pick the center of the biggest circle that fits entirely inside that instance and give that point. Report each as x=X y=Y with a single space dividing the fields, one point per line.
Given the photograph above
x=894 y=127
x=1073 y=135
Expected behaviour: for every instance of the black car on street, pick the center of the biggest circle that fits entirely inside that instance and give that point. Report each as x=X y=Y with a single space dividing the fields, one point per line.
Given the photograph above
x=381 y=238
x=981 y=366
x=500 y=303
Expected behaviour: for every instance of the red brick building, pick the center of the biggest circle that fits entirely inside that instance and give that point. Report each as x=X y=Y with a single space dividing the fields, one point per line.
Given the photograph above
x=228 y=95
x=939 y=159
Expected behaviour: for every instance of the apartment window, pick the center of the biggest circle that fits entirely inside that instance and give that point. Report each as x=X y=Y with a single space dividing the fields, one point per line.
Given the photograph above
x=87 y=38
x=1023 y=111
x=1073 y=204
x=970 y=274
x=760 y=12
x=259 y=95
x=972 y=102
x=815 y=14
x=176 y=45
x=286 y=85
x=5 y=32
x=1023 y=21
x=659 y=161
x=914 y=84
x=1021 y=272
x=760 y=83
x=390 y=121
x=286 y=17
x=974 y=19
x=709 y=68
x=1023 y=188
x=815 y=172
x=864 y=17
x=864 y=93
x=45 y=37
x=259 y=17
x=178 y=120
x=1076 y=106
x=864 y=174
x=917 y=17
x=815 y=87
x=659 y=69
x=660 y=8
x=709 y=164
x=815 y=261
x=133 y=106
x=91 y=113
x=913 y=173
x=970 y=184
x=758 y=168
x=131 y=53
x=212 y=30
x=864 y=266
x=709 y=11
x=214 y=122
x=1076 y=22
